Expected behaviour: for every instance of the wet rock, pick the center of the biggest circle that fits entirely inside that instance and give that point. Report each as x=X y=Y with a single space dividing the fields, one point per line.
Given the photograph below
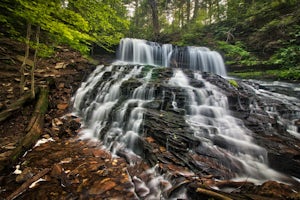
x=286 y=162
x=153 y=105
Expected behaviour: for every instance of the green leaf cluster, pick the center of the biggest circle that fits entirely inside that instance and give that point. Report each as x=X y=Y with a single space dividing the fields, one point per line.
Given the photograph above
x=79 y=25
x=237 y=53
x=287 y=56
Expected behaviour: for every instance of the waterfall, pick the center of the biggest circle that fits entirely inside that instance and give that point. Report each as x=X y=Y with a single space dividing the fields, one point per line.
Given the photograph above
x=172 y=115
x=221 y=134
x=138 y=51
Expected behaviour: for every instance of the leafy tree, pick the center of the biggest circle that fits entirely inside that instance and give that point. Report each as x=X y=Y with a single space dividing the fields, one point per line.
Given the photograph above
x=106 y=20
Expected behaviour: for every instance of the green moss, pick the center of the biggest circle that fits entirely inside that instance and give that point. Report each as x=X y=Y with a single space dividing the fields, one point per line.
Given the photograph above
x=146 y=69
x=233 y=83
x=156 y=73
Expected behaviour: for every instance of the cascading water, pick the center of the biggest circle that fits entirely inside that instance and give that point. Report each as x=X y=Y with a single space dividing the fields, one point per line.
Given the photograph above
x=116 y=103
x=151 y=53
x=291 y=114
x=221 y=134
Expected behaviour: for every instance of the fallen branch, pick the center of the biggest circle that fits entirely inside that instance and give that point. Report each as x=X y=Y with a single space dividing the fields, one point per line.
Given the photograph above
x=26 y=185
x=34 y=131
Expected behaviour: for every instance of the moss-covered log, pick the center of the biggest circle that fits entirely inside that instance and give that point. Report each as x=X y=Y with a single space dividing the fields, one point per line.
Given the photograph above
x=34 y=130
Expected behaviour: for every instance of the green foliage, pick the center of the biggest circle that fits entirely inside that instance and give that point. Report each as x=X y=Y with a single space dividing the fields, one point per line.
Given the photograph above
x=289 y=53
x=290 y=74
x=287 y=56
x=278 y=23
x=45 y=51
x=237 y=53
x=78 y=26
x=105 y=20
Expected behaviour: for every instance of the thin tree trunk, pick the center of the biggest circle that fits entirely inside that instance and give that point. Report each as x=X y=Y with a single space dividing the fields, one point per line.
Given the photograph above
x=196 y=10
x=210 y=11
x=188 y=10
x=37 y=37
x=218 y=10
x=155 y=21
x=22 y=70
x=136 y=21
x=181 y=17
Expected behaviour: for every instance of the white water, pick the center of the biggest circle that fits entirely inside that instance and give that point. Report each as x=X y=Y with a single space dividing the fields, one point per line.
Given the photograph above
x=127 y=123
x=221 y=134
x=96 y=111
x=290 y=103
x=151 y=53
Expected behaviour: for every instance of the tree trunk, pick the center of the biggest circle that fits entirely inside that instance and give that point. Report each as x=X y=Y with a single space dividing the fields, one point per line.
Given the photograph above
x=34 y=131
x=37 y=37
x=181 y=16
x=137 y=21
x=155 y=21
x=22 y=70
x=188 y=10
x=196 y=10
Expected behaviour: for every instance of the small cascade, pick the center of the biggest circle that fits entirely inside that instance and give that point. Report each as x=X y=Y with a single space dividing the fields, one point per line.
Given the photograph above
x=221 y=134
x=128 y=119
x=283 y=108
x=151 y=53
x=96 y=107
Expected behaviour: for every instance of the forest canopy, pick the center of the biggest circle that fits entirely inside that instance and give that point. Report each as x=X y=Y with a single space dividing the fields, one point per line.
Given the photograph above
x=78 y=24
